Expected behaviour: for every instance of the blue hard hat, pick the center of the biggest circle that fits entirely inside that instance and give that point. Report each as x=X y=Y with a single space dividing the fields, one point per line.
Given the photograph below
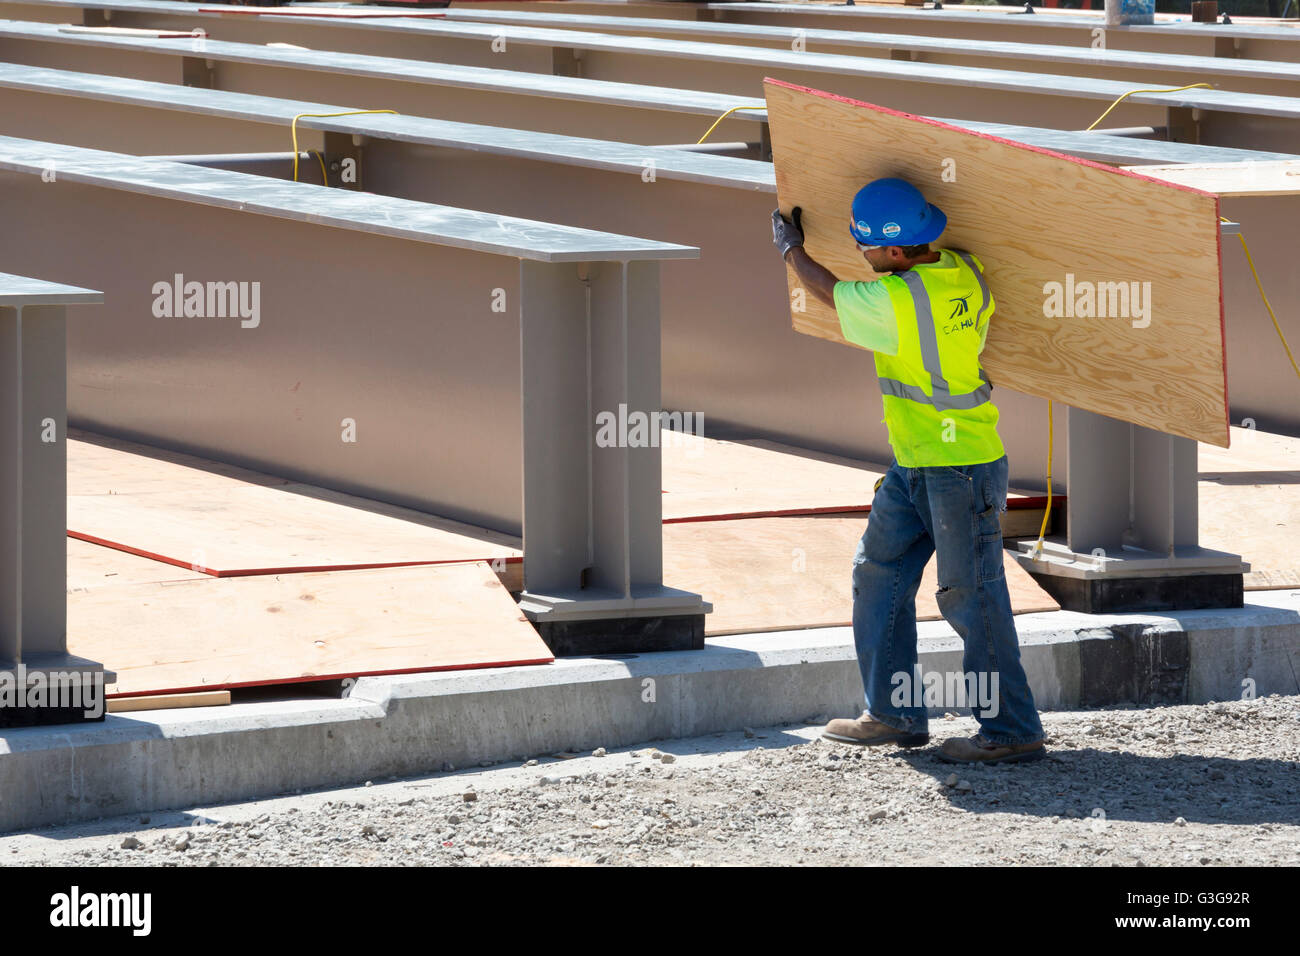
x=892 y=212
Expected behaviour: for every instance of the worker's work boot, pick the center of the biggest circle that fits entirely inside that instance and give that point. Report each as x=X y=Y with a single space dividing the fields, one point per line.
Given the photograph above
x=867 y=732
x=978 y=749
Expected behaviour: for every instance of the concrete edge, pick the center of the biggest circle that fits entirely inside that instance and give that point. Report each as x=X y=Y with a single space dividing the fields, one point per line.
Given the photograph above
x=413 y=724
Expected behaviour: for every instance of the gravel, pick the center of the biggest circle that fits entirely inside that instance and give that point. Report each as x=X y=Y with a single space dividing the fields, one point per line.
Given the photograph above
x=1185 y=786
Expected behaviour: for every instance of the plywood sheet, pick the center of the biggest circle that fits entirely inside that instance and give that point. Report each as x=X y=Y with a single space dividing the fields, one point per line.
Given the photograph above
x=772 y=574
x=196 y=513
x=93 y=566
x=1033 y=217
x=193 y=513
x=709 y=478
x=216 y=633
x=1269 y=178
x=1249 y=499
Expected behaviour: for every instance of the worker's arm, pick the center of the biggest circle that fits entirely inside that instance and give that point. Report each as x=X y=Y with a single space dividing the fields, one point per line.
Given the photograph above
x=813 y=276
x=865 y=310
x=866 y=313
x=787 y=235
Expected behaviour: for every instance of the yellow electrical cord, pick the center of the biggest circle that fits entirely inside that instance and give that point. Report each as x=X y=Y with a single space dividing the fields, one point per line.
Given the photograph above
x=293 y=129
x=320 y=158
x=1175 y=89
x=1047 y=512
x=1250 y=261
x=724 y=116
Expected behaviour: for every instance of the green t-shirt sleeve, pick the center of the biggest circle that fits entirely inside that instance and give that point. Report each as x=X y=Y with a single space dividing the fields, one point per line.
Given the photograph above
x=867 y=315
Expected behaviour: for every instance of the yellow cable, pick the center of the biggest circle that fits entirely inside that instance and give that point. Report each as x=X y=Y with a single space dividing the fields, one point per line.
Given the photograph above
x=1047 y=512
x=293 y=129
x=320 y=158
x=1176 y=89
x=724 y=116
x=1250 y=261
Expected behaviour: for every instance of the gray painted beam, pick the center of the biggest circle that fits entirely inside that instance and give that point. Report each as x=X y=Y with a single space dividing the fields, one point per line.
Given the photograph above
x=33 y=468
x=548 y=147
x=852 y=39
x=966 y=77
x=362 y=212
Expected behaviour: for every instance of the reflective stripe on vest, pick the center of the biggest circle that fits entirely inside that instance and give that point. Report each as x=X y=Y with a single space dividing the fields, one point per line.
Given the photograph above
x=941 y=398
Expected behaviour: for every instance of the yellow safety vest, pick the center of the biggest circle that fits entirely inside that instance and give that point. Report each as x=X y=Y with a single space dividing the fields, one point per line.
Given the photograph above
x=936 y=395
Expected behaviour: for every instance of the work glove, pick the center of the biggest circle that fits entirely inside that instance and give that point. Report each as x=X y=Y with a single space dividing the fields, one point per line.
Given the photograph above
x=786 y=235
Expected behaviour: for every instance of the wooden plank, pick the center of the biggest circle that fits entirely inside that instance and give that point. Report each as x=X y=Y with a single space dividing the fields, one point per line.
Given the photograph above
x=1034 y=218
x=207 y=698
x=213 y=633
x=1272 y=580
x=795 y=572
x=1270 y=178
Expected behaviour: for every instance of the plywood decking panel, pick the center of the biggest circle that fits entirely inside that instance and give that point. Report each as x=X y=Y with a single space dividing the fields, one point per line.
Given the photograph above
x=200 y=514
x=217 y=633
x=1268 y=178
x=94 y=566
x=772 y=574
x=1249 y=501
x=1033 y=217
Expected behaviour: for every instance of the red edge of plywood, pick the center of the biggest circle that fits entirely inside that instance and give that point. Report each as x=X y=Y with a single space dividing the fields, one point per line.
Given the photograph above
x=1223 y=328
x=996 y=139
x=1013 y=504
x=291 y=569
x=1218 y=237
x=341 y=676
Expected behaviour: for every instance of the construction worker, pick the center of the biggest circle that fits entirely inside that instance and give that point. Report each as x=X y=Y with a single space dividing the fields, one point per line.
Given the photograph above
x=926 y=321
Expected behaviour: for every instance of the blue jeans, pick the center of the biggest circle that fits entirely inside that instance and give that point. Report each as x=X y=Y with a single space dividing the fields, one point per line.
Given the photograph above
x=951 y=512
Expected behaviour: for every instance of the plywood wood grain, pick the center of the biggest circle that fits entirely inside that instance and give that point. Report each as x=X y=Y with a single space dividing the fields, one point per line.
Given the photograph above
x=94 y=566
x=1249 y=500
x=206 y=698
x=201 y=514
x=217 y=633
x=1033 y=218
x=708 y=478
x=1269 y=178
x=705 y=476
x=772 y=574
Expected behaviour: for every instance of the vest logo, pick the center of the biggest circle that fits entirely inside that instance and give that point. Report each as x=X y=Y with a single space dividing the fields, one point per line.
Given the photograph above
x=1086 y=299
x=961 y=305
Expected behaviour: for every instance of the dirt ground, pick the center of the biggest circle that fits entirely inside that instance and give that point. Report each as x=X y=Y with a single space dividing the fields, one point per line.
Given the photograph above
x=1188 y=786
